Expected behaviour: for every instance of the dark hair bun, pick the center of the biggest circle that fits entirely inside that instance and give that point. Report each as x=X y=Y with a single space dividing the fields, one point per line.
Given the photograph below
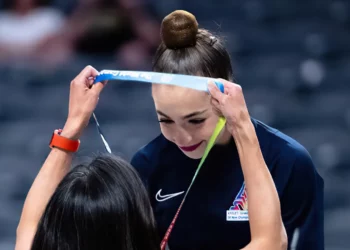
x=179 y=30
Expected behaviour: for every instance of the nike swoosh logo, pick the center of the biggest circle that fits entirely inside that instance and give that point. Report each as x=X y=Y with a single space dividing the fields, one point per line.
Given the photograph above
x=162 y=198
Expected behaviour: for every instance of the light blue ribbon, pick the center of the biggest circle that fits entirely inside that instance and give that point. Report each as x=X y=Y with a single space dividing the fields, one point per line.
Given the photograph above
x=193 y=82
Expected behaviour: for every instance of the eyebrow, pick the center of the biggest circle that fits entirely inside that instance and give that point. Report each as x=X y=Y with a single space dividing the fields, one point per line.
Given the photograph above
x=186 y=116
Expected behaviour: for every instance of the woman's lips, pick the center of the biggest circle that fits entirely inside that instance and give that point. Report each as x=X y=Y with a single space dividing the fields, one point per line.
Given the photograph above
x=191 y=148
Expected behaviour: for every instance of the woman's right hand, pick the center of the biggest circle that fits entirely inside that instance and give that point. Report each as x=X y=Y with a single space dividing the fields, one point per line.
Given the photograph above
x=83 y=99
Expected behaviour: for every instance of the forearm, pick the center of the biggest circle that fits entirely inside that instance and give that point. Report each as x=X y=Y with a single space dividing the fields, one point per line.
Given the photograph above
x=83 y=98
x=55 y=167
x=264 y=207
x=52 y=172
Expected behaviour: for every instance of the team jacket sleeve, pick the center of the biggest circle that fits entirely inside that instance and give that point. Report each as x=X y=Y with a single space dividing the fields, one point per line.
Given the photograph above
x=302 y=206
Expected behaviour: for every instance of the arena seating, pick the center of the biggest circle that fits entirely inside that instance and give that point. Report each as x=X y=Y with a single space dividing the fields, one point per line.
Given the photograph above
x=291 y=57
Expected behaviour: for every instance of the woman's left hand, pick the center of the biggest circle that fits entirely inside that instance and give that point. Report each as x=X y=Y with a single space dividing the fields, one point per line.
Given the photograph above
x=231 y=105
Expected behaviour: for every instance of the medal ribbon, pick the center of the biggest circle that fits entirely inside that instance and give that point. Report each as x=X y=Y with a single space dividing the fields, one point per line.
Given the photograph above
x=193 y=82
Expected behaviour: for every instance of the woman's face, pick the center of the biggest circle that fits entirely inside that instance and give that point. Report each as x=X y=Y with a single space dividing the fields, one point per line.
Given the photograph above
x=186 y=118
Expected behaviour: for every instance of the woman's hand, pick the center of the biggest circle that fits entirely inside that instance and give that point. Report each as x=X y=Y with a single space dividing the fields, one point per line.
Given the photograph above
x=83 y=99
x=231 y=105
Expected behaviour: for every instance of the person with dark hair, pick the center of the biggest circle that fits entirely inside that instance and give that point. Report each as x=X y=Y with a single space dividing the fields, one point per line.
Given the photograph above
x=222 y=189
x=99 y=205
x=104 y=205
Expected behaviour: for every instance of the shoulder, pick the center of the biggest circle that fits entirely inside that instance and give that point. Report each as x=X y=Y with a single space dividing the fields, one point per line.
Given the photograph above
x=275 y=143
x=287 y=158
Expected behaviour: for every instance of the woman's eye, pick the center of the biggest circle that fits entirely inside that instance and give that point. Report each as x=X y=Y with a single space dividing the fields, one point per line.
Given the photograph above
x=166 y=121
x=197 y=121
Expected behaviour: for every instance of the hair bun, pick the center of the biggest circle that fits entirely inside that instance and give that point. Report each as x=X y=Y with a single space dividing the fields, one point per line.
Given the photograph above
x=179 y=30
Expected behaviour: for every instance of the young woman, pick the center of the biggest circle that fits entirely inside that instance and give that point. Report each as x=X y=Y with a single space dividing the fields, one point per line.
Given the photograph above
x=104 y=205
x=246 y=147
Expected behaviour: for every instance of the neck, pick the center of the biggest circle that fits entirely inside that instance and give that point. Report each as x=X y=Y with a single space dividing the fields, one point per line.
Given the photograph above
x=224 y=137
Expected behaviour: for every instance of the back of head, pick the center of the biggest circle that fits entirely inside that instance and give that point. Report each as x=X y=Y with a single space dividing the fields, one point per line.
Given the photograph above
x=101 y=205
x=186 y=49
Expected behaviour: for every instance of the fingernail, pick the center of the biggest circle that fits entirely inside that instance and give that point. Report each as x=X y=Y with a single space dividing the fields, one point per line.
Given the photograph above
x=211 y=84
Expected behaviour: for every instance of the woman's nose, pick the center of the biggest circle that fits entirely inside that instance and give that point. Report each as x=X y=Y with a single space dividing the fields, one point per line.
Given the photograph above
x=182 y=138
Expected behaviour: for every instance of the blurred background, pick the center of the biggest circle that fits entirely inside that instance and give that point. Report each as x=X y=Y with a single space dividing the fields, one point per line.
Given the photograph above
x=291 y=57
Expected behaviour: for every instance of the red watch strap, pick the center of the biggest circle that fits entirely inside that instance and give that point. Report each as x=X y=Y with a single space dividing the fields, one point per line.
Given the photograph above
x=64 y=143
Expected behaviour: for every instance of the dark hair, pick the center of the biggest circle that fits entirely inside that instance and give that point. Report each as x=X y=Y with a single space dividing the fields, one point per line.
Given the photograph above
x=185 y=49
x=101 y=205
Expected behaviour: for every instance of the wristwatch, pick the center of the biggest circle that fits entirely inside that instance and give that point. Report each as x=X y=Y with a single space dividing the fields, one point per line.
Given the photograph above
x=58 y=141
